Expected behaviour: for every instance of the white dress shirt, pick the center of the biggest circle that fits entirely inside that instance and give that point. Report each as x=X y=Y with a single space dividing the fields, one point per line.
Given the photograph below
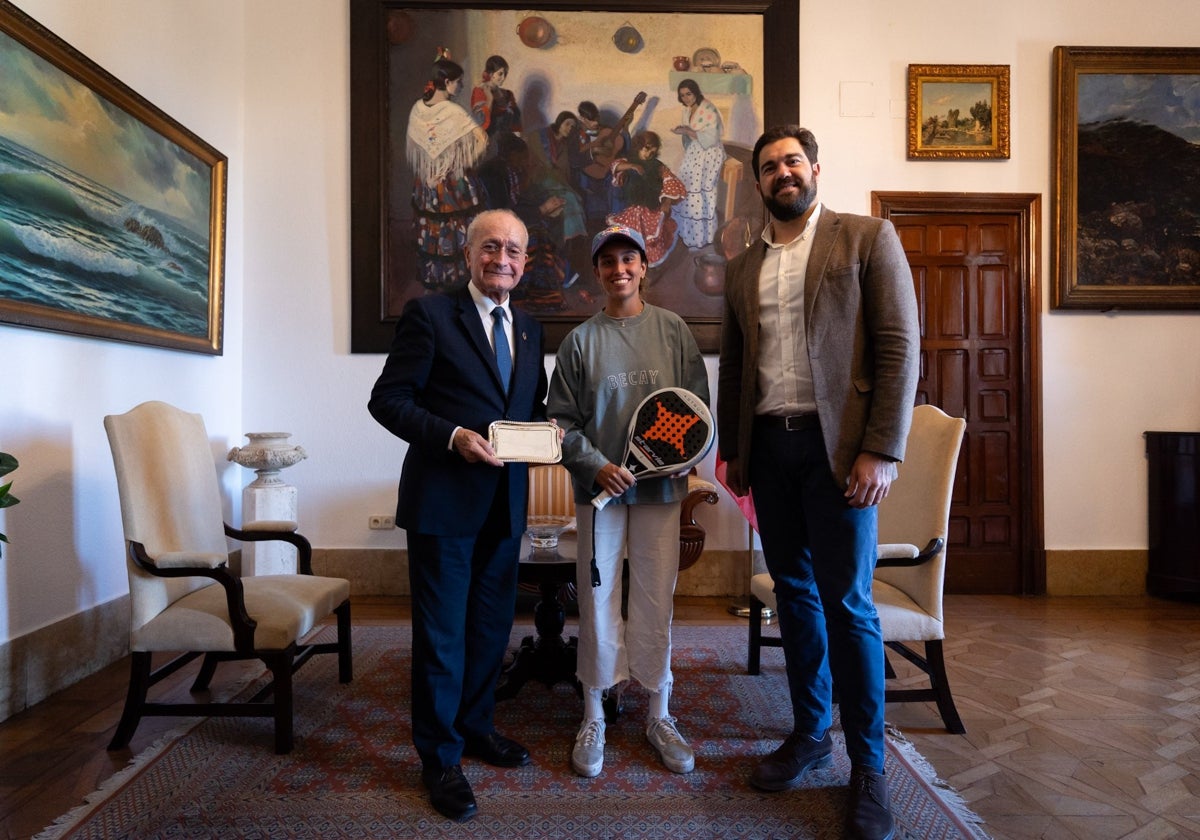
x=785 y=384
x=484 y=306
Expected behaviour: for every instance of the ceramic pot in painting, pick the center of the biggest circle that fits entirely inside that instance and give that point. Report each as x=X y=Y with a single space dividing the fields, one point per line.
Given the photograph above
x=710 y=274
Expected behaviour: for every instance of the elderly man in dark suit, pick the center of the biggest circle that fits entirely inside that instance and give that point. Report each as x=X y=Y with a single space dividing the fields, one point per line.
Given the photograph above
x=457 y=362
x=816 y=382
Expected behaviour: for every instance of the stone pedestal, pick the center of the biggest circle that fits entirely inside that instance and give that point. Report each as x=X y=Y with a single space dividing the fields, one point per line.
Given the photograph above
x=267 y=502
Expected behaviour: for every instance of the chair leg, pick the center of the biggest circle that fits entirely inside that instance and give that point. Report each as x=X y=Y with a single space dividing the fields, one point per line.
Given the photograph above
x=280 y=665
x=613 y=701
x=754 y=650
x=345 y=650
x=208 y=668
x=135 y=698
x=941 y=687
x=889 y=673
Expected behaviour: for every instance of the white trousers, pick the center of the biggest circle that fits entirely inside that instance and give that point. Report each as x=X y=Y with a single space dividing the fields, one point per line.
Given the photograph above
x=612 y=649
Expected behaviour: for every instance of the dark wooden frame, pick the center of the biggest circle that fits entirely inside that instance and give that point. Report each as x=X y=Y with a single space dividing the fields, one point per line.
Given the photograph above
x=41 y=42
x=1148 y=176
x=370 y=326
x=994 y=75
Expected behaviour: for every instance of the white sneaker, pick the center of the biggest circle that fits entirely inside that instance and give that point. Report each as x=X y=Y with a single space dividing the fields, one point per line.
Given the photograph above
x=672 y=749
x=588 y=756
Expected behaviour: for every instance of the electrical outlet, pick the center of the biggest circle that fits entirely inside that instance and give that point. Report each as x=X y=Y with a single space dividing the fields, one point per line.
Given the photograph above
x=381 y=522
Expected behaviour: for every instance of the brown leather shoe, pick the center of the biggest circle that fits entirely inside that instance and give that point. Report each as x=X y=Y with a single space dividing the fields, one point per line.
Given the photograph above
x=869 y=816
x=785 y=768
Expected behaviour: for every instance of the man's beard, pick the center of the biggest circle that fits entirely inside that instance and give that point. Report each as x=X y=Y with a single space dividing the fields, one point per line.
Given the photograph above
x=785 y=211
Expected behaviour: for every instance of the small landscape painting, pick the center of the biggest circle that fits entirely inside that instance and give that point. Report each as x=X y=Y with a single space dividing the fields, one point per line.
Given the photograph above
x=957 y=111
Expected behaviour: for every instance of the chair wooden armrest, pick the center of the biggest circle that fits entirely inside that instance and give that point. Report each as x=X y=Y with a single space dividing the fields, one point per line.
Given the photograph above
x=303 y=546
x=240 y=622
x=931 y=550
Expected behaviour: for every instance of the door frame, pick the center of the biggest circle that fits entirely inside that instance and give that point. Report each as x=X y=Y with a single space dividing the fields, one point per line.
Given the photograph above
x=1027 y=208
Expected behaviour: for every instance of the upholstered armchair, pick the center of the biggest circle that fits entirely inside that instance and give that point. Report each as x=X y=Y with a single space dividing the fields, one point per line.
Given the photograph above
x=184 y=597
x=911 y=569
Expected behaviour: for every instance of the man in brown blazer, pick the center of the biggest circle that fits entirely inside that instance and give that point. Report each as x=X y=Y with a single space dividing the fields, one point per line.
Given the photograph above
x=816 y=382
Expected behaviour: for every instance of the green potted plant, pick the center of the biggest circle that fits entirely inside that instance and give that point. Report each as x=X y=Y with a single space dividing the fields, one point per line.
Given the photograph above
x=7 y=464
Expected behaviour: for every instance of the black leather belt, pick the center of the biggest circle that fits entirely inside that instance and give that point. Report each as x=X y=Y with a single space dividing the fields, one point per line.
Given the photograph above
x=791 y=423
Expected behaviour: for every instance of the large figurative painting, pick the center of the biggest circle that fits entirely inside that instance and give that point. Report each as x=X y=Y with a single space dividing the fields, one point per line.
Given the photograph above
x=111 y=213
x=1126 y=226
x=574 y=118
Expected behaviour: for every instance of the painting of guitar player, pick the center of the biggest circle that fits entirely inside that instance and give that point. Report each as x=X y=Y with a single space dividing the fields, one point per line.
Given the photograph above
x=572 y=134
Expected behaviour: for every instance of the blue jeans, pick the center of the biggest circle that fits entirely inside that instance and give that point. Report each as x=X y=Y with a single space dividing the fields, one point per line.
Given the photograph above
x=821 y=555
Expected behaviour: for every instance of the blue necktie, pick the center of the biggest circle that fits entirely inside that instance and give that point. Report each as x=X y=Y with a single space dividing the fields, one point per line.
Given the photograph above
x=503 y=355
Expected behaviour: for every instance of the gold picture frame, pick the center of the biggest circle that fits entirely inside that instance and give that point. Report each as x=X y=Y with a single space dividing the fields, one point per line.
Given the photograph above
x=958 y=111
x=112 y=214
x=1126 y=165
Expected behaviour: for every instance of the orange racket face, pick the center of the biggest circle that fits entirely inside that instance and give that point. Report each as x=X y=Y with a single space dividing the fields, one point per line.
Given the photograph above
x=672 y=430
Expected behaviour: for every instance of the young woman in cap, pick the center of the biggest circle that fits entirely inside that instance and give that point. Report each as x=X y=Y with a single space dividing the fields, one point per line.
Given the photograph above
x=605 y=367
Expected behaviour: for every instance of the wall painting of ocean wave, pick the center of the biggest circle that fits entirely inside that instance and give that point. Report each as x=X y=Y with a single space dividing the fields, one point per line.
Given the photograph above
x=112 y=215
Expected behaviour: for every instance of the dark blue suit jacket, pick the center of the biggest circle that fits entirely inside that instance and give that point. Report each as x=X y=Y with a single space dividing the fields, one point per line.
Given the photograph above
x=441 y=373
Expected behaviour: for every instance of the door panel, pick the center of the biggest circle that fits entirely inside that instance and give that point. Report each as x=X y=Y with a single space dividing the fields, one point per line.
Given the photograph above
x=969 y=274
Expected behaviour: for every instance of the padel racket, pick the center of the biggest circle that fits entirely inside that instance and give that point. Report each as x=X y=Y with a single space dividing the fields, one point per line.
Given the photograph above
x=671 y=431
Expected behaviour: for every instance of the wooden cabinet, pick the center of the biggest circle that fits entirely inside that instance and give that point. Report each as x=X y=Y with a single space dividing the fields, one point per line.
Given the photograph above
x=1174 y=507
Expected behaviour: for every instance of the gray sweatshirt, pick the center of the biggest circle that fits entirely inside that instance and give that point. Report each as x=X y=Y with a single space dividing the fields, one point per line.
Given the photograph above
x=605 y=367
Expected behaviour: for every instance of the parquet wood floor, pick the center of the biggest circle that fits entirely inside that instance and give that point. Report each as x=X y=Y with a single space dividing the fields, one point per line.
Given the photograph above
x=1082 y=716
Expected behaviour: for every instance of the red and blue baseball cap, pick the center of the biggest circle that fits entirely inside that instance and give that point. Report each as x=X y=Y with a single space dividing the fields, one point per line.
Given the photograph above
x=621 y=232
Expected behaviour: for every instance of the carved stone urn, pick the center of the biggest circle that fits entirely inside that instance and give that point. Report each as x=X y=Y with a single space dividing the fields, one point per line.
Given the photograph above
x=267 y=454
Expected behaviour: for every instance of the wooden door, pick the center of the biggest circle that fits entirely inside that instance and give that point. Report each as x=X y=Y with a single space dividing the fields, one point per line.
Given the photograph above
x=972 y=260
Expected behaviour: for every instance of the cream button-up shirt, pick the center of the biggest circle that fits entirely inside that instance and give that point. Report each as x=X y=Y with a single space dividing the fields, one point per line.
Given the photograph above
x=785 y=383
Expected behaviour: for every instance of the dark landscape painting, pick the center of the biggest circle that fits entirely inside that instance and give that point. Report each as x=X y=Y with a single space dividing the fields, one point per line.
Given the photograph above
x=1138 y=180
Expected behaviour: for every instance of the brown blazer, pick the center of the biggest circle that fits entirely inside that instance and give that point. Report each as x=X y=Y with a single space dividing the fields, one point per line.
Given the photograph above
x=860 y=313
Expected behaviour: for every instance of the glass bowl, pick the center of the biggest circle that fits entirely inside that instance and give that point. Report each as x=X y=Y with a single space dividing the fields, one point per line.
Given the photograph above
x=544 y=531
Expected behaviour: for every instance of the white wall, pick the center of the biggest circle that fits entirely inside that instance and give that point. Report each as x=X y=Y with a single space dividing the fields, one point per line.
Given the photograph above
x=267 y=83
x=66 y=550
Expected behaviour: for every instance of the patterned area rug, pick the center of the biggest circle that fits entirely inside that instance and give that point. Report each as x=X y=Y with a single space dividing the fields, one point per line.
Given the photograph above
x=354 y=773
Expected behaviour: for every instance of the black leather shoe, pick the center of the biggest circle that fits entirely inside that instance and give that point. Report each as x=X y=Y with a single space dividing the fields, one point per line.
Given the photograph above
x=870 y=815
x=450 y=792
x=497 y=751
x=785 y=768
